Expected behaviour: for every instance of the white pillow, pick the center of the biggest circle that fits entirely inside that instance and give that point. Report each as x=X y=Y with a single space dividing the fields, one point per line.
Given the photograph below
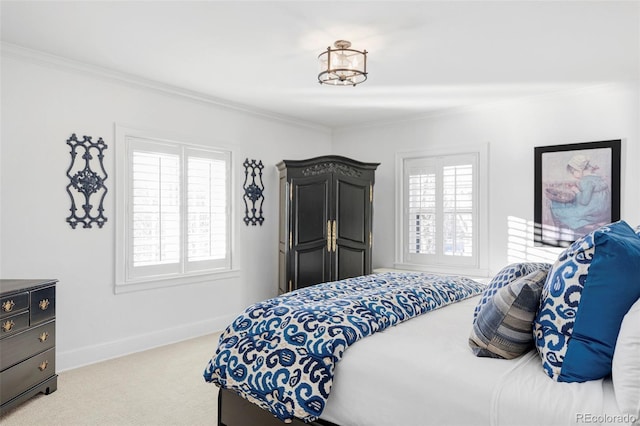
x=625 y=368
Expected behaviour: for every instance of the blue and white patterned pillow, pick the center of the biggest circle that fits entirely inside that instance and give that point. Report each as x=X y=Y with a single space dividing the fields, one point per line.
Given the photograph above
x=507 y=275
x=638 y=230
x=590 y=288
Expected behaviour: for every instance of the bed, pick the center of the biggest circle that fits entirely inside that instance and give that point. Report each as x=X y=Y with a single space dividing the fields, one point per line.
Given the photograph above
x=421 y=370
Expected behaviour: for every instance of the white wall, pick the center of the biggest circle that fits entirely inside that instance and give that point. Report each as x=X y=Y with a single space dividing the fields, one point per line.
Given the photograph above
x=512 y=130
x=42 y=105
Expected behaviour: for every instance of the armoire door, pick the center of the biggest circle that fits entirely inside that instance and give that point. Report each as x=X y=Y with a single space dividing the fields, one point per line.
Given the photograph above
x=325 y=220
x=352 y=215
x=310 y=245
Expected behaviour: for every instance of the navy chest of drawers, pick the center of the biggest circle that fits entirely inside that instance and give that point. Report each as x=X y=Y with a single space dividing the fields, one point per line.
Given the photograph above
x=27 y=340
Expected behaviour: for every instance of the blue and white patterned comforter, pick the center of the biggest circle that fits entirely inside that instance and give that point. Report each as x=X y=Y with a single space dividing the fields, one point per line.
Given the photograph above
x=281 y=353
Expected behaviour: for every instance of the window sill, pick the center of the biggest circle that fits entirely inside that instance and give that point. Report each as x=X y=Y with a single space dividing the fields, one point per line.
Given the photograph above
x=181 y=280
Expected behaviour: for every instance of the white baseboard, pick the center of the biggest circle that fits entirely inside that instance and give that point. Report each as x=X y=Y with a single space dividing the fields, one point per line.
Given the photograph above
x=75 y=358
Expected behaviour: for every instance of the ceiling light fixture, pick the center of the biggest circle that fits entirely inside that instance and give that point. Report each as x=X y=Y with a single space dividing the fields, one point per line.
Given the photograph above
x=342 y=66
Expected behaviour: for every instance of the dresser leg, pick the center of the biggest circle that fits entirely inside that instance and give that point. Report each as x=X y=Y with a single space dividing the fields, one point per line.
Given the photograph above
x=46 y=387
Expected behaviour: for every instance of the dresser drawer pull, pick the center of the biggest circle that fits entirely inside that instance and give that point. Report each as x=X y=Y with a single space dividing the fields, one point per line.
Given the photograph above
x=43 y=365
x=8 y=325
x=8 y=305
x=44 y=304
x=43 y=337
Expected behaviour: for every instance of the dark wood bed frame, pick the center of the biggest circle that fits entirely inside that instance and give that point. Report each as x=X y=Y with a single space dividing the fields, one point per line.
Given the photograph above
x=234 y=410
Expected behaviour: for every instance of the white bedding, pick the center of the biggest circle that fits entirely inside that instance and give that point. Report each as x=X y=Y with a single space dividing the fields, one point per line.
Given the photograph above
x=391 y=379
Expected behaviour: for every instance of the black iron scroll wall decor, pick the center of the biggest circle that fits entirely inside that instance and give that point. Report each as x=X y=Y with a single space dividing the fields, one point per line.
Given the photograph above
x=253 y=192
x=86 y=180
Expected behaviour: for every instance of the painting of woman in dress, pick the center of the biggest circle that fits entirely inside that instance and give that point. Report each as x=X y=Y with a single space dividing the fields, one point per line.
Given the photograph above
x=577 y=192
x=589 y=203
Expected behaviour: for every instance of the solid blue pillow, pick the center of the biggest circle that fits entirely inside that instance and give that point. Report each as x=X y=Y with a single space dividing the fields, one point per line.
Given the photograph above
x=588 y=291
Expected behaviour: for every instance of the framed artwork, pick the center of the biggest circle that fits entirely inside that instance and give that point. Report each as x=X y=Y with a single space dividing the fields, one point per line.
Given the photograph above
x=577 y=189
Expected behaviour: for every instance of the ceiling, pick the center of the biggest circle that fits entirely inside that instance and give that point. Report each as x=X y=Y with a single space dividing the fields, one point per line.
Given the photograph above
x=424 y=56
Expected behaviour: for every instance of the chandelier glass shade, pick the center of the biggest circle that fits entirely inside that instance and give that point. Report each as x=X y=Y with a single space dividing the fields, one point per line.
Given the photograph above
x=342 y=66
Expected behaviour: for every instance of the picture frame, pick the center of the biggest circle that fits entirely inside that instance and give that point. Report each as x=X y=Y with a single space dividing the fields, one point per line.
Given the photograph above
x=577 y=189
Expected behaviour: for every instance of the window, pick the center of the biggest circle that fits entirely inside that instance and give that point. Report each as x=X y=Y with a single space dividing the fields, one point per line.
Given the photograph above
x=440 y=210
x=173 y=211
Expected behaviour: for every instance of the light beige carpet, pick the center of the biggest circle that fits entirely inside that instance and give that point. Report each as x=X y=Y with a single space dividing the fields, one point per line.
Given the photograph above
x=162 y=386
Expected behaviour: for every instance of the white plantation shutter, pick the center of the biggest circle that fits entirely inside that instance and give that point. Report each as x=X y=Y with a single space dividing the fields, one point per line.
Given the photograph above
x=156 y=208
x=422 y=209
x=178 y=209
x=207 y=239
x=458 y=211
x=440 y=209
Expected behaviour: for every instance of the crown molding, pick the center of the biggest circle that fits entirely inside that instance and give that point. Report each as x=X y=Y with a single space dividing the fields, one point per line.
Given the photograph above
x=39 y=57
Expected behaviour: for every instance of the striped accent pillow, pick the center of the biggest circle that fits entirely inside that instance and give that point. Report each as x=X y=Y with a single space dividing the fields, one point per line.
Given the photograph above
x=507 y=275
x=503 y=328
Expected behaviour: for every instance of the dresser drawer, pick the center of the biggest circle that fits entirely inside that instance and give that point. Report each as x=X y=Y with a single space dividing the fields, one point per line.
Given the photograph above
x=23 y=376
x=23 y=345
x=43 y=304
x=13 y=324
x=10 y=305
